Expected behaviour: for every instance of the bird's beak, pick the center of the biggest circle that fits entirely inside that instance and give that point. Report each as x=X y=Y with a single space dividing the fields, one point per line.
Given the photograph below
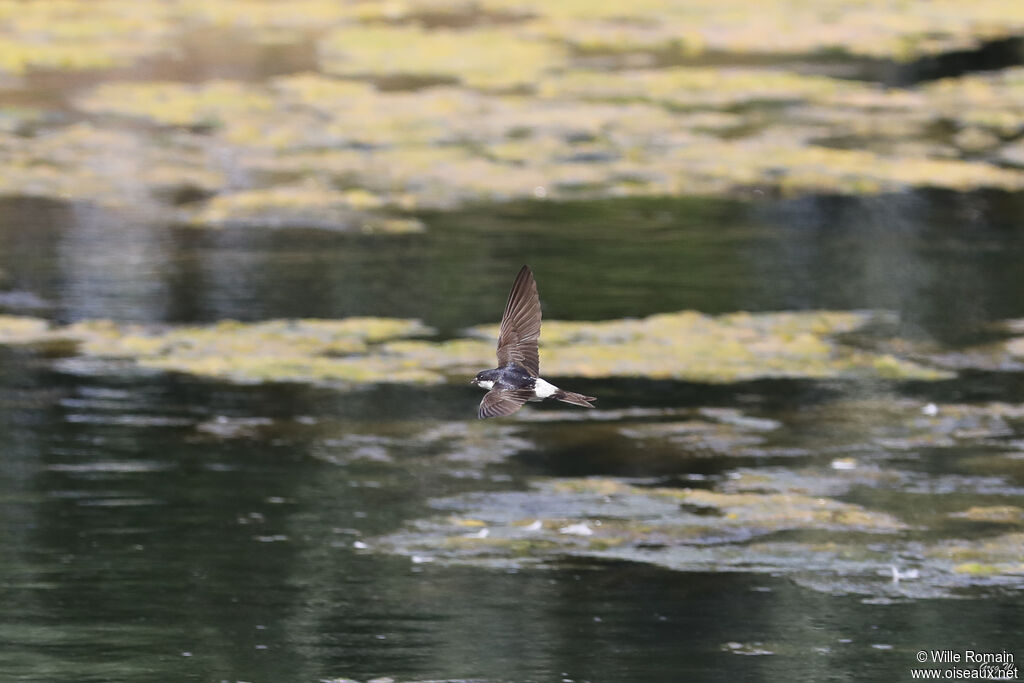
x=472 y=381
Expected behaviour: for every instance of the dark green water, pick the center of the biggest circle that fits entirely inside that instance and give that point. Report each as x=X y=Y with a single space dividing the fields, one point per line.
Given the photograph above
x=143 y=540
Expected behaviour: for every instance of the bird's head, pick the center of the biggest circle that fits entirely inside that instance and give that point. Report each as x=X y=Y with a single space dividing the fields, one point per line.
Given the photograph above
x=481 y=380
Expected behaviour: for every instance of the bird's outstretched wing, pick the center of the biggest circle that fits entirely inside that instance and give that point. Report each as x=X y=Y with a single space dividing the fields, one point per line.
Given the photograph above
x=520 y=324
x=501 y=402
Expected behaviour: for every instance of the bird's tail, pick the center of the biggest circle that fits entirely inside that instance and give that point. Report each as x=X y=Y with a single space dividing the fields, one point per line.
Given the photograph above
x=574 y=398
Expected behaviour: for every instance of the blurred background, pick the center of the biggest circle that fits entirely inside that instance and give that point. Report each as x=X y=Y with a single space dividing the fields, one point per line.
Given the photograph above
x=252 y=251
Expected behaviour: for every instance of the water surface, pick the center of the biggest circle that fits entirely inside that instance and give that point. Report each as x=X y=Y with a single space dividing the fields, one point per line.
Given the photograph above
x=161 y=527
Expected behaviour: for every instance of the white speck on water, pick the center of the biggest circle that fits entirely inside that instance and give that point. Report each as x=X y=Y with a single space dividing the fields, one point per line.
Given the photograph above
x=535 y=525
x=540 y=192
x=755 y=648
x=483 y=533
x=579 y=529
x=930 y=409
x=844 y=464
x=898 y=575
x=359 y=545
x=421 y=559
x=186 y=654
x=881 y=646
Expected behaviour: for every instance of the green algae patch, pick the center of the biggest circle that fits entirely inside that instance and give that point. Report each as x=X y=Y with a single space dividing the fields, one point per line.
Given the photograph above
x=727 y=348
x=991 y=101
x=114 y=168
x=697 y=87
x=71 y=36
x=425 y=104
x=485 y=58
x=600 y=517
x=794 y=168
x=820 y=542
x=177 y=104
x=329 y=351
x=871 y=28
x=994 y=556
x=24 y=330
x=684 y=131
x=999 y=514
x=683 y=346
x=790 y=510
x=307 y=204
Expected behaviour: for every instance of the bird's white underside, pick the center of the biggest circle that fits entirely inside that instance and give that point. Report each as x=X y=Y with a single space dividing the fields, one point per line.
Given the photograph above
x=544 y=389
x=541 y=388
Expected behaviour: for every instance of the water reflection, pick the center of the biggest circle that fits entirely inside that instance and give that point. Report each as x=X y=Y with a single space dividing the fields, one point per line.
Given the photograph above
x=946 y=263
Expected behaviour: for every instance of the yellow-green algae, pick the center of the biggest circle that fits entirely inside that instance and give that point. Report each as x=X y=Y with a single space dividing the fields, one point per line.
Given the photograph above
x=697 y=87
x=997 y=555
x=600 y=516
x=112 y=31
x=179 y=104
x=1000 y=514
x=618 y=135
x=275 y=350
x=522 y=116
x=72 y=36
x=685 y=345
x=307 y=204
x=486 y=58
x=23 y=330
x=757 y=510
x=824 y=543
x=116 y=168
x=874 y=28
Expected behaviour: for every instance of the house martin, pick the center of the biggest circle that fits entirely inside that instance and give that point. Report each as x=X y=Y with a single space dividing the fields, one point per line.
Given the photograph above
x=517 y=379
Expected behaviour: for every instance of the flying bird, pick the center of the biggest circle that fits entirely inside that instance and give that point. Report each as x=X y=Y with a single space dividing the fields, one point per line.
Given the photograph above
x=517 y=379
